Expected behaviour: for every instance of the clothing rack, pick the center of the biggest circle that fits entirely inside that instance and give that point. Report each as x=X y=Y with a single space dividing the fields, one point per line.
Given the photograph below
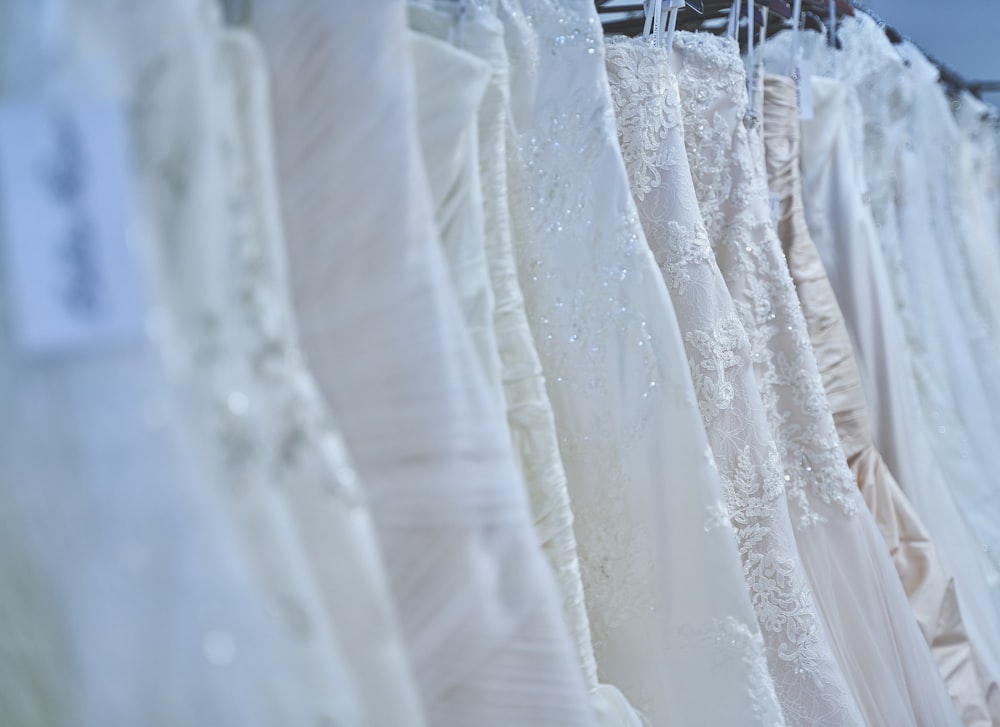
x=628 y=19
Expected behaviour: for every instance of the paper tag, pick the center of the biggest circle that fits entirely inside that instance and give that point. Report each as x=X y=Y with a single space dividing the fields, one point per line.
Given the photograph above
x=803 y=89
x=65 y=205
x=774 y=201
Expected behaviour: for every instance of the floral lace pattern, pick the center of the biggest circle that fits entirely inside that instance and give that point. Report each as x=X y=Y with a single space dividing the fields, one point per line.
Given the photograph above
x=616 y=372
x=749 y=256
x=720 y=358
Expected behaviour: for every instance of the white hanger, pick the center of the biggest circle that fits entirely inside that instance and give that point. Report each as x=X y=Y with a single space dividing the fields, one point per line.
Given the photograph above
x=796 y=22
x=654 y=17
x=751 y=68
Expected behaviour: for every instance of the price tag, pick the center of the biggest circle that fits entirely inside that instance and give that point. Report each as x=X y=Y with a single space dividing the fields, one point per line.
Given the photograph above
x=65 y=208
x=804 y=89
x=774 y=202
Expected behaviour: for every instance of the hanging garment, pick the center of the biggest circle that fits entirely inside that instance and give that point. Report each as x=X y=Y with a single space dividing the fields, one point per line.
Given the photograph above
x=864 y=262
x=450 y=84
x=649 y=510
x=383 y=333
x=930 y=590
x=307 y=455
x=871 y=628
x=652 y=139
x=967 y=356
x=973 y=199
x=873 y=68
x=135 y=596
x=529 y=412
x=280 y=452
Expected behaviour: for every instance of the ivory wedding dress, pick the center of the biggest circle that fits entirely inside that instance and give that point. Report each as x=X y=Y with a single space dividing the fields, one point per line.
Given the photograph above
x=872 y=66
x=863 y=258
x=968 y=357
x=928 y=586
x=274 y=428
x=652 y=138
x=385 y=338
x=529 y=412
x=649 y=514
x=143 y=596
x=450 y=84
x=975 y=197
x=870 y=626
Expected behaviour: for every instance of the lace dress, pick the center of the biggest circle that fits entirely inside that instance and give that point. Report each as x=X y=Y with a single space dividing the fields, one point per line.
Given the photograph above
x=928 y=586
x=652 y=138
x=529 y=412
x=386 y=340
x=138 y=593
x=883 y=656
x=649 y=514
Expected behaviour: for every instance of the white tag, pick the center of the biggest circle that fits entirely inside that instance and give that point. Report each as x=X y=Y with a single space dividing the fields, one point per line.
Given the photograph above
x=65 y=205
x=804 y=89
x=774 y=201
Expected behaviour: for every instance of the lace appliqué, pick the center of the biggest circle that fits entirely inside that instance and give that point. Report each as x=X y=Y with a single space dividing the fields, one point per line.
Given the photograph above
x=727 y=186
x=644 y=121
x=719 y=351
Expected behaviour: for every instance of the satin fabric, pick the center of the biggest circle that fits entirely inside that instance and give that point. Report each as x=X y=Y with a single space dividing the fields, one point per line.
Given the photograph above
x=848 y=241
x=927 y=584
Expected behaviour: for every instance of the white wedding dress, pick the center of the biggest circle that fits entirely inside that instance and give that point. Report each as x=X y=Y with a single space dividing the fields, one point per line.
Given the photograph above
x=386 y=340
x=967 y=355
x=529 y=412
x=650 y=518
x=450 y=84
x=975 y=198
x=652 y=137
x=269 y=433
x=862 y=252
x=140 y=596
x=928 y=586
x=870 y=626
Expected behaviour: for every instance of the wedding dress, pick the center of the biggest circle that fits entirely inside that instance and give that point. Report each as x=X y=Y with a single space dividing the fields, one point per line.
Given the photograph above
x=529 y=412
x=968 y=357
x=309 y=462
x=975 y=174
x=385 y=338
x=863 y=258
x=652 y=138
x=450 y=84
x=649 y=514
x=870 y=626
x=872 y=66
x=137 y=597
x=930 y=590
x=275 y=430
